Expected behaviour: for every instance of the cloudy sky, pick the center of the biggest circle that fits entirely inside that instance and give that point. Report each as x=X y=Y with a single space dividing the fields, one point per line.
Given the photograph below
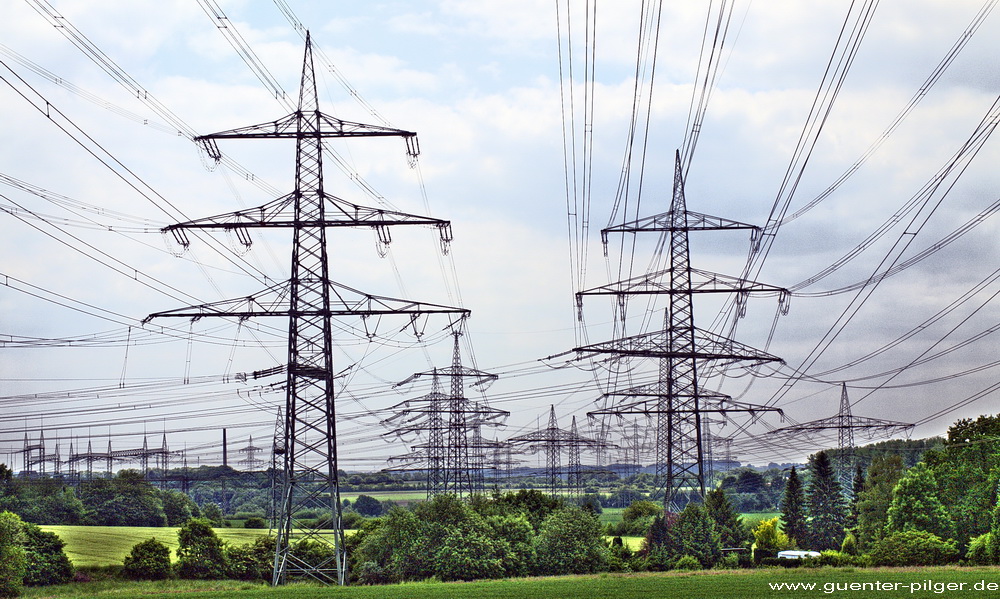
x=523 y=112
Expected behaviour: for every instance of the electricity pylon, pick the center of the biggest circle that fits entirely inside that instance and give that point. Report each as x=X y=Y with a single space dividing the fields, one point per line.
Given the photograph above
x=309 y=300
x=846 y=426
x=455 y=453
x=676 y=401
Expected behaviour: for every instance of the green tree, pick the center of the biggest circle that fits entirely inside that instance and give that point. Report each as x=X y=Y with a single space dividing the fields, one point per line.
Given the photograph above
x=915 y=505
x=967 y=471
x=200 y=553
x=395 y=543
x=636 y=518
x=45 y=560
x=728 y=522
x=213 y=513
x=570 y=541
x=12 y=558
x=126 y=500
x=874 y=500
x=178 y=508
x=515 y=530
x=252 y=561
x=694 y=535
x=147 y=560
x=793 y=510
x=826 y=511
x=857 y=486
x=769 y=539
x=367 y=505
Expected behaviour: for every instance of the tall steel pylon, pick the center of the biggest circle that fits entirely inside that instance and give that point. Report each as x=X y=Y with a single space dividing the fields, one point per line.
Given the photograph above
x=309 y=300
x=676 y=403
x=455 y=452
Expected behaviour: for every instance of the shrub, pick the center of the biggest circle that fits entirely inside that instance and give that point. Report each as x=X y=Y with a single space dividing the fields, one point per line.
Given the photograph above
x=201 y=554
x=252 y=561
x=981 y=550
x=768 y=540
x=371 y=573
x=46 y=562
x=850 y=544
x=913 y=548
x=255 y=522
x=148 y=560
x=468 y=556
x=687 y=562
x=12 y=559
x=840 y=559
x=352 y=520
x=570 y=542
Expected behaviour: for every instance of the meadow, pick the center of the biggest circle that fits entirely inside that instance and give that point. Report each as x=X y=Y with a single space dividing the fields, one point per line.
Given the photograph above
x=88 y=546
x=723 y=584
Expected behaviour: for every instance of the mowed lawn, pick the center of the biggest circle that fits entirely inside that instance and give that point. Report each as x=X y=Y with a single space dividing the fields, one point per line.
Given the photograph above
x=108 y=545
x=840 y=582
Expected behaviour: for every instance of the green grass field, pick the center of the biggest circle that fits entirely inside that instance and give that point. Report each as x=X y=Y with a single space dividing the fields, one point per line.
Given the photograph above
x=909 y=582
x=108 y=545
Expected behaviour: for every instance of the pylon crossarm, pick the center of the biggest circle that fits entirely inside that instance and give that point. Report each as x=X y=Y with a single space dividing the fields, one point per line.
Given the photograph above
x=287 y=127
x=702 y=281
x=281 y=213
x=708 y=347
x=275 y=301
x=649 y=407
x=667 y=222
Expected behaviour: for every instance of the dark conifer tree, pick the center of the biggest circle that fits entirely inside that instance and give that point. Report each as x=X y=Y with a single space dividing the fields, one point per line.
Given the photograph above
x=857 y=487
x=728 y=523
x=826 y=510
x=793 y=510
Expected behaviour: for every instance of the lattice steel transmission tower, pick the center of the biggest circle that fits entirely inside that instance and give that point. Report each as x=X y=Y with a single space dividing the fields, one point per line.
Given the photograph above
x=454 y=453
x=676 y=402
x=309 y=300
x=553 y=441
x=846 y=426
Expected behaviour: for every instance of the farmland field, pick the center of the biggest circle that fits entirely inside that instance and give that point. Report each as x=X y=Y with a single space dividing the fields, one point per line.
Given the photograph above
x=910 y=582
x=108 y=545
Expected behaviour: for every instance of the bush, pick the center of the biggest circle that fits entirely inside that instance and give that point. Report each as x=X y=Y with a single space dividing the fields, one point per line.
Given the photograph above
x=46 y=562
x=468 y=555
x=371 y=573
x=201 y=554
x=687 y=562
x=981 y=550
x=12 y=558
x=840 y=559
x=255 y=522
x=913 y=548
x=148 y=560
x=570 y=542
x=252 y=561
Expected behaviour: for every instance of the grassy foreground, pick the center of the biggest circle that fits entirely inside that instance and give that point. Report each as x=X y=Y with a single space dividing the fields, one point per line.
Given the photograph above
x=909 y=582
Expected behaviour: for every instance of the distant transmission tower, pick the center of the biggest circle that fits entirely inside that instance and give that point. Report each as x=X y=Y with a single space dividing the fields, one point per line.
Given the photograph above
x=309 y=300
x=454 y=453
x=846 y=426
x=553 y=440
x=676 y=403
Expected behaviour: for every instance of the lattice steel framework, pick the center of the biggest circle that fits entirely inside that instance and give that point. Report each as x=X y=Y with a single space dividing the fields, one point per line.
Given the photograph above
x=454 y=454
x=309 y=300
x=676 y=401
x=846 y=426
x=553 y=440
